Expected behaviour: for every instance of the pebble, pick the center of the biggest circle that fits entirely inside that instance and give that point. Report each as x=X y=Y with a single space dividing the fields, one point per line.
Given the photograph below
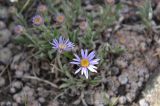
x=2 y=81
x=45 y=66
x=143 y=102
x=24 y=66
x=89 y=98
x=122 y=100
x=34 y=103
x=17 y=84
x=14 y=104
x=5 y=55
x=5 y=36
x=98 y=99
x=2 y=25
x=41 y=99
x=19 y=74
x=142 y=71
x=42 y=92
x=3 y=13
x=53 y=103
x=123 y=79
x=130 y=97
x=132 y=76
x=134 y=87
x=12 y=10
x=121 y=62
x=140 y=84
x=12 y=90
x=8 y=103
x=146 y=77
x=113 y=84
x=17 y=98
x=115 y=71
x=15 y=61
x=151 y=60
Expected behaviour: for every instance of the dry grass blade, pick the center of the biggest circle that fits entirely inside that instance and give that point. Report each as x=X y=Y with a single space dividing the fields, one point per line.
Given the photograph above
x=42 y=80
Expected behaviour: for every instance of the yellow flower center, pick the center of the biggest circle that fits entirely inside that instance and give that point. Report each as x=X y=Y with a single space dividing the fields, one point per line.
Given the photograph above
x=60 y=18
x=37 y=20
x=62 y=46
x=84 y=63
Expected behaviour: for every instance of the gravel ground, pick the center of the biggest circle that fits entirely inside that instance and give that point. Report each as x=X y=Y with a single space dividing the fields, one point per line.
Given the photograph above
x=28 y=81
x=152 y=91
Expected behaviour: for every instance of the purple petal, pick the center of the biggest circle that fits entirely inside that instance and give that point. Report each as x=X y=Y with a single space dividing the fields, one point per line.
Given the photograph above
x=74 y=62
x=91 y=55
x=83 y=70
x=77 y=57
x=86 y=73
x=67 y=41
x=60 y=39
x=86 y=53
x=92 y=68
x=78 y=70
x=55 y=41
x=95 y=61
x=82 y=53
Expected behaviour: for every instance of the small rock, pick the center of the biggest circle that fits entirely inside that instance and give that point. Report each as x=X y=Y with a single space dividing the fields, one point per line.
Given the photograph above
x=3 y=13
x=123 y=79
x=19 y=74
x=113 y=84
x=146 y=77
x=14 y=104
x=5 y=55
x=17 y=98
x=12 y=90
x=41 y=99
x=134 y=87
x=53 y=103
x=42 y=92
x=140 y=84
x=151 y=60
x=2 y=81
x=132 y=76
x=8 y=103
x=2 y=103
x=142 y=71
x=4 y=36
x=24 y=66
x=141 y=79
x=122 y=100
x=143 y=102
x=12 y=10
x=130 y=97
x=45 y=66
x=17 y=84
x=2 y=25
x=98 y=99
x=89 y=98
x=34 y=103
x=143 y=46
x=115 y=71
x=121 y=62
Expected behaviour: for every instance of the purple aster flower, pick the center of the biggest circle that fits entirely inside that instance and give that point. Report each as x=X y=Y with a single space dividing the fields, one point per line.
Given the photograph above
x=18 y=29
x=62 y=45
x=60 y=18
x=42 y=8
x=87 y=62
x=37 y=20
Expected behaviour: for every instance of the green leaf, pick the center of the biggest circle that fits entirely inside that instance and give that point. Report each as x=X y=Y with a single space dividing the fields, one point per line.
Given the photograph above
x=65 y=85
x=68 y=55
